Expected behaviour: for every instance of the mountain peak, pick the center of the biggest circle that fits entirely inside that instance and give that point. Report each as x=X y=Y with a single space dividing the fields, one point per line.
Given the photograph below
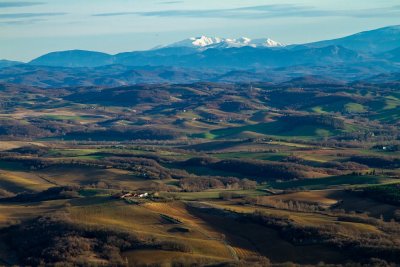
x=206 y=42
x=203 y=41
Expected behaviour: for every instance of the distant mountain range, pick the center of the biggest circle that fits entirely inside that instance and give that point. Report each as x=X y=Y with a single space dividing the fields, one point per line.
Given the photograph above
x=8 y=63
x=354 y=57
x=213 y=52
x=371 y=42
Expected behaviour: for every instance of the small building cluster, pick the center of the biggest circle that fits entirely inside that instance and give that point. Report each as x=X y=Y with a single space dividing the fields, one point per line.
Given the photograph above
x=130 y=195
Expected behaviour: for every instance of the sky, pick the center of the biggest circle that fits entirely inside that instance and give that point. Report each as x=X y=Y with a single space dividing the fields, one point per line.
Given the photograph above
x=32 y=28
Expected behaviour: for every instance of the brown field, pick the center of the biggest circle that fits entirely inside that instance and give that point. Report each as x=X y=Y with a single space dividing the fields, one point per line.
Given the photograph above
x=321 y=197
x=353 y=202
x=147 y=220
x=13 y=213
x=65 y=175
x=256 y=238
x=165 y=258
x=16 y=181
x=303 y=218
x=8 y=145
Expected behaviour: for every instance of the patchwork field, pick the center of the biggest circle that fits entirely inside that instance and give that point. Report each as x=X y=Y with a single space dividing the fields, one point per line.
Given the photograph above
x=200 y=175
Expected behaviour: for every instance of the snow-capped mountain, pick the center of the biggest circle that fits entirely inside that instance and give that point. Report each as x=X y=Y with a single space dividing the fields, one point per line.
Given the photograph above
x=268 y=43
x=216 y=42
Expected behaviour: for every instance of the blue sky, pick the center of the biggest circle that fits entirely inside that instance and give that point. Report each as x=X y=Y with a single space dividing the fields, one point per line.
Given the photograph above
x=33 y=27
